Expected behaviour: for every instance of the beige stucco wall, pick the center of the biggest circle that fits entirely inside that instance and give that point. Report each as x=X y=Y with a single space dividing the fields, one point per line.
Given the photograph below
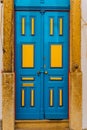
x=83 y=61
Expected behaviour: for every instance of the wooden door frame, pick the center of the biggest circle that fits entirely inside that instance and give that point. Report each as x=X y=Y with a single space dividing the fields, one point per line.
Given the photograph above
x=75 y=75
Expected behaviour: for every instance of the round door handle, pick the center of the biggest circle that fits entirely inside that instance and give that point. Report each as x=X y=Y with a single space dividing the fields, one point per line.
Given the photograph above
x=38 y=72
x=46 y=72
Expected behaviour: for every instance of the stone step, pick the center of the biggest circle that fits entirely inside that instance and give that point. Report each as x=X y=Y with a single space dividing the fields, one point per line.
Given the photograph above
x=42 y=125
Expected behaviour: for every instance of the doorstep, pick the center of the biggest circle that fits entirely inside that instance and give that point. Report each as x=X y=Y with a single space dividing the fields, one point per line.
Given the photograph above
x=42 y=125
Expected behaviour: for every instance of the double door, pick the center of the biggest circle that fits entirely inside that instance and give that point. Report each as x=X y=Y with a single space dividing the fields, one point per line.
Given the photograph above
x=41 y=64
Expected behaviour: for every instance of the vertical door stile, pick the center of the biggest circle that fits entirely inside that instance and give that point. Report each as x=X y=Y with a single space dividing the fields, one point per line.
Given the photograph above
x=42 y=63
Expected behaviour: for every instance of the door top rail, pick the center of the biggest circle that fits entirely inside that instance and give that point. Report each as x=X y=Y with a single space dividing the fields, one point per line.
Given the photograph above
x=47 y=4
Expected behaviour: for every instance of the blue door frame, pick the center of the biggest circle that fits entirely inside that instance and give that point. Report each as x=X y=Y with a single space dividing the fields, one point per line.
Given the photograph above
x=41 y=83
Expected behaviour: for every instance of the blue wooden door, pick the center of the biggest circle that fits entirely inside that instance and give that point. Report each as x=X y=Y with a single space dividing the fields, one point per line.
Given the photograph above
x=28 y=65
x=41 y=64
x=56 y=60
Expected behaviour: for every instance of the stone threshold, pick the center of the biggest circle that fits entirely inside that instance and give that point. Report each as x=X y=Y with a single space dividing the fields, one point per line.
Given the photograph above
x=42 y=125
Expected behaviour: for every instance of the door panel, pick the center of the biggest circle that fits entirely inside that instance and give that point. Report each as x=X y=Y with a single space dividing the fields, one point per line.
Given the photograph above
x=56 y=61
x=41 y=65
x=28 y=50
x=55 y=56
x=28 y=62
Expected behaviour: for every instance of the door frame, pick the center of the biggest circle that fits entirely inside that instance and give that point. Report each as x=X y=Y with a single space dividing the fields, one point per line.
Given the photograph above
x=75 y=75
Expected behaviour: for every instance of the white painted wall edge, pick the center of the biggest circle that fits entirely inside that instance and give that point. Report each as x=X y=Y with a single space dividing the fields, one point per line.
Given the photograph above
x=84 y=59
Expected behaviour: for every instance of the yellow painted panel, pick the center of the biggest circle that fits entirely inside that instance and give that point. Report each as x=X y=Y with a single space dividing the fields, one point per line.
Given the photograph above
x=27 y=78
x=55 y=78
x=61 y=26
x=28 y=84
x=23 y=98
x=51 y=97
x=28 y=56
x=32 y=98
x=56 y=56
x=23 y=26
x=60 y=97
x=32 y=26
x=51 y=26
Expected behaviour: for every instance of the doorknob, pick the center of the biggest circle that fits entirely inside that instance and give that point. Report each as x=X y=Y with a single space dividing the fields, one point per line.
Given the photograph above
x=46 y=72
x=38 y=73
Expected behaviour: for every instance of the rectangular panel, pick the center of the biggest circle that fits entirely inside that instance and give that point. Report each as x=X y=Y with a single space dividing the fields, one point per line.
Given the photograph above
x=28 y=56
x=23 y=26
x=60 y=26
x=23 y=98
x=60 y=97
x=55 y=78
x=28 y=84
x=51 y=26
x=56 y=56
x=51 y=97
x=28 y=78
x=32 y=98
x=32 y=26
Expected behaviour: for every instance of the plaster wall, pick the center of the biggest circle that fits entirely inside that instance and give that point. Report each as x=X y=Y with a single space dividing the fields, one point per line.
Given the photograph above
x=1 y=44
x=83 y=58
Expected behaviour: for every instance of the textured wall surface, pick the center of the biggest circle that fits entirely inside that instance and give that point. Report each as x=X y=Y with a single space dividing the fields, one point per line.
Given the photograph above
x=8 y=99
x=1 y=40
x=83 y=61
